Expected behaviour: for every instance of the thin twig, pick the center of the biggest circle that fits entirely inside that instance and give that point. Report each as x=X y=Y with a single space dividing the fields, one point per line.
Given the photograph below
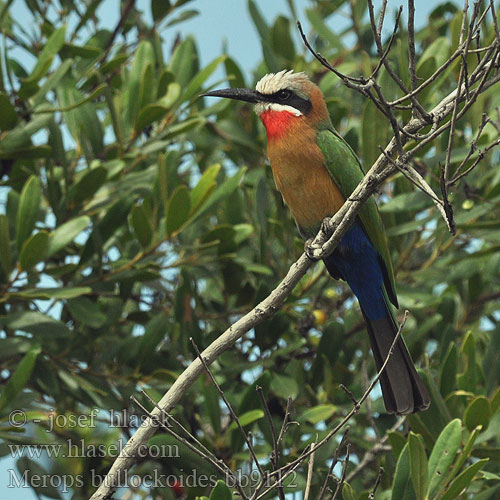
x=388 y=67
x=208 y=456
x=411 y=45
x=371 y=496
x=335 y=459
x=275 y=452
x=285 y=421
x=349 y=81
x=310 y=470
x=290 y=471
x=480 y=155
x=350 y=395
x=372 y=453
x=381 y=18
x=495 y=21
x=390 y=116
x=229 y=407
x=118 y=28
x=445 y=174
x=340 y=484
x=413 y=176
x=176 y=422
x=391 y=39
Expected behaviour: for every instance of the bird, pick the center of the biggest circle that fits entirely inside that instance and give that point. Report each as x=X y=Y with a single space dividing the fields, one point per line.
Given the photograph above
x=316 y=170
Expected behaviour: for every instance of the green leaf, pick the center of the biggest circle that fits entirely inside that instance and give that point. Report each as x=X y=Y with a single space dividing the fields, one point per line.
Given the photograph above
x=173 y=93
x=398 y=442
x=178 y=209
x=105 y=228
x=405 y=202
x=53 y=45
x=52 y=81
x=156 y=111
x=29 y=204
x=448 y=378
x=284 y=386
x=401 y=484
x=5 y=255
x=156 y=329
x=82 y=120
x=246 y=419
x=418 y=465
x=20 y=377
x=83 y=51
x=468 y=380
x=443 y=455
x=282 y=42
x=374 y=134
x=88 y=184
x=221 y=492
x=164 y=80
x=34 y=249
x=141 y=225
x=212 y=403
x=224 y=190
x=318 y=413
x=195 y=84
x=184 y=61
x=34 y=322
x=234 y=73
x=138 y=76
x=8 y=116
x=186 y=126
x=489 y=494
x=52 y=293
x=463 y=480
x=86 y=311
x=348 y=492
x=159 y=9
x=162 y=179
x=437 y=52
x=27 y=153
x=258 y=20
x=66 y=233
x=407 y=227
x=466 y=453
x=478 y=413
x=204 y=187
x=265 y=36
x=18 y=139
x=183 y=16
x=321 y=28
x=97 y=92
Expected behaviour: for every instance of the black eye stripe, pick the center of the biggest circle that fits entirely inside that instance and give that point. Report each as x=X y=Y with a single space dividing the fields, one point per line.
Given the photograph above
x=289 y=98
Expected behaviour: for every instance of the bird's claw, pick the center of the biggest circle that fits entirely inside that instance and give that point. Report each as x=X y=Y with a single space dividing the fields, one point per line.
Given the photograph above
x=313 y=251
x=325 y=226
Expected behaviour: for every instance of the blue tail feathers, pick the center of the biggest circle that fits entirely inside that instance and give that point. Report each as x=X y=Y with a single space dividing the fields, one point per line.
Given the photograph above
x=356 y=261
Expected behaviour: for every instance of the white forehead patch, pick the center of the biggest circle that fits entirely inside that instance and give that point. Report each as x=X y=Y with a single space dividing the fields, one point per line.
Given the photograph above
x=286 y=79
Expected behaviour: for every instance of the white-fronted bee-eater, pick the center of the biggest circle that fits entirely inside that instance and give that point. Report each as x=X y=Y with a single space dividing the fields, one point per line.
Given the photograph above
x=316 y=171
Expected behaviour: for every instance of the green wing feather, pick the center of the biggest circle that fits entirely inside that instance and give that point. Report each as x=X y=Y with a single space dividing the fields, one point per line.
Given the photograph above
x=346 y=171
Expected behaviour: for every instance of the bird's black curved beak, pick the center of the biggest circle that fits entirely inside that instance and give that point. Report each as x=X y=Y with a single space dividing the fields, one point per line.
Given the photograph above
x=247 y=95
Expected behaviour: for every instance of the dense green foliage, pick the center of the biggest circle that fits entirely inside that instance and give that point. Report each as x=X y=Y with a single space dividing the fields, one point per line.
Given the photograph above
x=135 y=216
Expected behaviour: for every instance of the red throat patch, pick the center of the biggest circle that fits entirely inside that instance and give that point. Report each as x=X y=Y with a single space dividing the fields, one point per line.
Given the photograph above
x=276 y=122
